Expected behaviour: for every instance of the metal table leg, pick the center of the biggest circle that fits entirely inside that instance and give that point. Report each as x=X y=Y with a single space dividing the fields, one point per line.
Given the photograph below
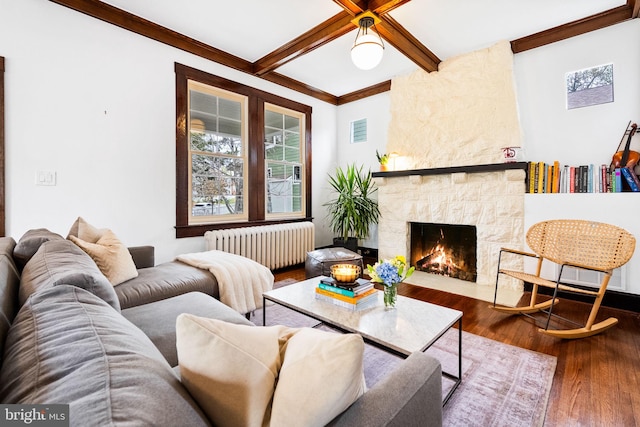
x=457 y=379
x=264 y=311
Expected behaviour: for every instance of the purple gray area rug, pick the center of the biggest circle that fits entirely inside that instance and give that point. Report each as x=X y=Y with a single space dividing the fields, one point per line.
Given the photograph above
x=502 y=385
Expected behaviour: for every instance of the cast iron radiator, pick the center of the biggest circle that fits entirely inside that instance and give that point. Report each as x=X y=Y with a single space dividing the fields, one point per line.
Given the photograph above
x=274 y=246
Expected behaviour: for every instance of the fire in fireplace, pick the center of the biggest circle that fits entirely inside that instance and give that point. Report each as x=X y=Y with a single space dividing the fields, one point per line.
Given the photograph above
x=445 y=249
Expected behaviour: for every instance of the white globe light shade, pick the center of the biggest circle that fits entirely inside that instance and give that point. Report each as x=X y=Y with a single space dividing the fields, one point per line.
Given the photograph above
x=367 y=51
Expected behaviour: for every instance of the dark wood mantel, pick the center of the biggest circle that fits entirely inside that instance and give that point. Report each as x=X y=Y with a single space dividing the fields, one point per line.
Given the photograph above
x=493 y=167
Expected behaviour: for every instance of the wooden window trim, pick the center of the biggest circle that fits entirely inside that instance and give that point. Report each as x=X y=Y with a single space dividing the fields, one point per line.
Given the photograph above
x=242 y=100
x=256 y=193
x=284 y=111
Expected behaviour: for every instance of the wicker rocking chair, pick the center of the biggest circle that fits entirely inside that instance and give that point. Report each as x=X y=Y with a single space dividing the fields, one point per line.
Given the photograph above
x=578 y=244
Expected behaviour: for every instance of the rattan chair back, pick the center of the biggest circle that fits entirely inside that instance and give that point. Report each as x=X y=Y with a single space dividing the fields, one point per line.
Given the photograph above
x=581 y=242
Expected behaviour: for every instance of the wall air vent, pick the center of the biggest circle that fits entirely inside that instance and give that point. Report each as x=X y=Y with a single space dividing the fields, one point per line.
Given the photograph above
x=358 y=131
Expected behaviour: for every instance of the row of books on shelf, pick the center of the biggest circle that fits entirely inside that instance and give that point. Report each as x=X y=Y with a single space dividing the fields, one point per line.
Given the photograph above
x=357 y=296
x=553 y=178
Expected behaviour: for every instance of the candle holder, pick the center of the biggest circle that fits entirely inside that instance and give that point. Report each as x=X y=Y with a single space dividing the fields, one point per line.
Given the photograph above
x=345 y=273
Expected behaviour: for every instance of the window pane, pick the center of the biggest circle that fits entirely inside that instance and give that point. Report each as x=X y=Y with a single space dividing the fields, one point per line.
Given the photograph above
x=230 y=109
x=211 y=131
x=283 y=188
x=292 y=155
x=228 y=145
x=296 y=198
x=292 y=139
x=214 y=143
x=273 y=136
x=283 y=156
x=201 y=142
x=217 y=185
x=272 y=119
x=229 y=127
x=273 y=144
x=274 y=152
x=292 y=124
x=203 y=102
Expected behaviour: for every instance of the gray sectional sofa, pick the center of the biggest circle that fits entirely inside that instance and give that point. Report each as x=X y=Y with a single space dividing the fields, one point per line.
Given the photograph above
x=67 y=336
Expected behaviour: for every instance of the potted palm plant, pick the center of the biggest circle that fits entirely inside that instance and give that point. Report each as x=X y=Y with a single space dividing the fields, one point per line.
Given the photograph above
x=353 y=210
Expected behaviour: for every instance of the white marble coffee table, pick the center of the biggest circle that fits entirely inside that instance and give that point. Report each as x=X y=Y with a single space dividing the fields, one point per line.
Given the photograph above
x=413 y=325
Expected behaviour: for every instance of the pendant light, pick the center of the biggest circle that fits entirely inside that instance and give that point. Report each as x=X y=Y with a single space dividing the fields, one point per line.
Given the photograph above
x=368 y=47
x=197 y=126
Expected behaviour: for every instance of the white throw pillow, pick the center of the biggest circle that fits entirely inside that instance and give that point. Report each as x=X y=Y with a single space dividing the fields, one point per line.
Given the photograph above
x=111 y=256
x=233 y=371
x=322 y=375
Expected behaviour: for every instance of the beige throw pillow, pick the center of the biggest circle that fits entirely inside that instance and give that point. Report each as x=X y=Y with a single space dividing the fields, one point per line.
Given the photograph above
x=111 y=256
x=85 y=231
x=233 y=371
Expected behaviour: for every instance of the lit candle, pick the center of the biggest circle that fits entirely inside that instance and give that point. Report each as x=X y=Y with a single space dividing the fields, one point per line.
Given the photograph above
x=345 y=272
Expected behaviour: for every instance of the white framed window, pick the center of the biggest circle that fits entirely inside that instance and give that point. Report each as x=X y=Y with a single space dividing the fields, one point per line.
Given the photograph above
x=224 y=155
x=217 y=154
x=284 y=131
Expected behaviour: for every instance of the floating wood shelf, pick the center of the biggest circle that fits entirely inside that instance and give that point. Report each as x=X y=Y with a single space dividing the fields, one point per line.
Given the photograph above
x=492 y=167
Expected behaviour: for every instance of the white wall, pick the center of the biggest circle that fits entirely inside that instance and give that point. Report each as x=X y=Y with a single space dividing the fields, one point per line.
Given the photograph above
x=96 y=104
x=583 y=135
x=376 y=110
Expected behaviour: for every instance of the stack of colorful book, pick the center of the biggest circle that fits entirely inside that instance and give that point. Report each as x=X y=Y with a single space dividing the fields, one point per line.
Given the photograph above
x=353 y=296
x=555 y=178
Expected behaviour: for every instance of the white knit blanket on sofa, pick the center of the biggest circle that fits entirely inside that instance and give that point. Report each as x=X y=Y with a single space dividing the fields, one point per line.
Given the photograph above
x=241 y=280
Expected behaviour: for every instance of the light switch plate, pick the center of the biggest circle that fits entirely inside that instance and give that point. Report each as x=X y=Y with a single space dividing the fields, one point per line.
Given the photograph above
x=46 y=178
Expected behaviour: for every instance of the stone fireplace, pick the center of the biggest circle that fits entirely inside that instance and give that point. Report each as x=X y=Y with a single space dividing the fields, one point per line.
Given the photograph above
x=489 y=198
x=445 y=249
x=455 y=122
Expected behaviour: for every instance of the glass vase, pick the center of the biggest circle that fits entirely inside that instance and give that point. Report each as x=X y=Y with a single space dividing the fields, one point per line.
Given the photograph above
x=390 y=296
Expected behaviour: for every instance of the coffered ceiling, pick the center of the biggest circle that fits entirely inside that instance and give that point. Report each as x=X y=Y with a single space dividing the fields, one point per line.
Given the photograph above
x=305 y=44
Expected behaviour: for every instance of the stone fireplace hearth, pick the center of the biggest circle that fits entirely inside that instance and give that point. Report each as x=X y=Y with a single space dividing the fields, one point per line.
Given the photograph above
x=492 y=201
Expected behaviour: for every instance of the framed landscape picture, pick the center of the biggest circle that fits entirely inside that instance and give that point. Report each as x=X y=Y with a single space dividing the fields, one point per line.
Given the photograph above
x=591 y=86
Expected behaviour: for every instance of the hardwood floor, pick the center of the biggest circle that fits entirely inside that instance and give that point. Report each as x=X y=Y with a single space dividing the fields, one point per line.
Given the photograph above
x=596 y=383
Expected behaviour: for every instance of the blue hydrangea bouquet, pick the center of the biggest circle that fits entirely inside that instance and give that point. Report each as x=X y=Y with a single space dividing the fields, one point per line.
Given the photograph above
x=390 y=272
